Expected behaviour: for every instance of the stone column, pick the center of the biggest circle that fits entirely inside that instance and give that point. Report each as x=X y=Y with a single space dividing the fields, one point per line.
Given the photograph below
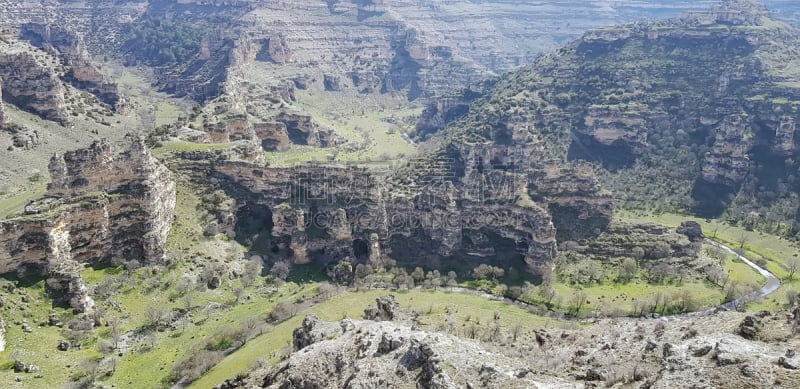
x=374 y=250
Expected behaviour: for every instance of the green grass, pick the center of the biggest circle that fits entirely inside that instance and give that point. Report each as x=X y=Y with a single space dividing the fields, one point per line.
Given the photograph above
x=363 y=120
x=352 y=304
x=774 y=249
x=609 y=297
x=16 y=203
x=150 y=369
x=39 y=346
x=182 y=146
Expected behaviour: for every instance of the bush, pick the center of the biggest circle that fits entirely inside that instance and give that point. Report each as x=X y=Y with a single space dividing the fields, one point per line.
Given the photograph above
x=281 y=312
x=194 y=366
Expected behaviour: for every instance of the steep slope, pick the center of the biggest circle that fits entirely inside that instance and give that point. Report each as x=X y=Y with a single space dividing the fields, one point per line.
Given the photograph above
x=692 y=113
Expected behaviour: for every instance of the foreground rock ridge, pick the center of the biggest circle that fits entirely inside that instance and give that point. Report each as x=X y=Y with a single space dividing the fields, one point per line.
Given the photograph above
x=101 y=206
x=386 y=349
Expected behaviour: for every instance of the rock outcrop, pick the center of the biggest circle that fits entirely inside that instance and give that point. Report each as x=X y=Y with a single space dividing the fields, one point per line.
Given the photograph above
x=100 y=206
x=392 y=354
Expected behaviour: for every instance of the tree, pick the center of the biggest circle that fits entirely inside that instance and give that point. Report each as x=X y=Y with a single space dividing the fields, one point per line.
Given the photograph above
x=238 y=291
x=482 y=272
x=742 y=239
x=116 y=334
x=252 y=270
x=792 y=266
x=547 y=293
x=578 y=300
x=155 y=316
x=363 y=270
x=485 y=271
x=516 y=331
x=792 y=297
x=628 y=269
x=637 y=253
x=418 y=274
x=280 y=270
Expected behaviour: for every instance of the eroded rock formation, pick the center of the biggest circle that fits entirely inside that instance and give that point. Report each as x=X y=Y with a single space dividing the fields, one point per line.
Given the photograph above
x=100 y=206
x=391 y=354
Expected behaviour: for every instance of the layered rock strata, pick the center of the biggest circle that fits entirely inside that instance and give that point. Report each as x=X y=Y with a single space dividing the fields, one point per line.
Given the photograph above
x=477 y=202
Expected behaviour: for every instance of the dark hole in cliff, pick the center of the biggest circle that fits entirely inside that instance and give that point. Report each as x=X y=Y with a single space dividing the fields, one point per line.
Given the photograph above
x=133 y=249
x=614 y=157
x=417 y=249
x=771 y=169
x=296 y=134
x=711 y=199
x=571 y=227
x=254 y=227
x=317 y=224
x=361 y=250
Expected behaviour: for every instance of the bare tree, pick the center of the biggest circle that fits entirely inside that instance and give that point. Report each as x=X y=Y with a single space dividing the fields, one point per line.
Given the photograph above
x=115 y=333
x=252 y=270
x=280 y=270
x=238 y=292
x=547 y=293
x=792 y=266
x=155 y=316
x=578 y=300
x=742 y=239
x=628 y=269
x=516 y=331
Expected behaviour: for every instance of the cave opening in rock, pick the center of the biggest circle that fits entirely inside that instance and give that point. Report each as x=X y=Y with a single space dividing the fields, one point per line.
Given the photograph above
x=254 y=227
x=361 y=249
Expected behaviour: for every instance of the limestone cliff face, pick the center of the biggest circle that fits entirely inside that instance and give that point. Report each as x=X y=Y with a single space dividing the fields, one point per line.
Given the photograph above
x=100 y=205
x=31 y=84
x=475 y=202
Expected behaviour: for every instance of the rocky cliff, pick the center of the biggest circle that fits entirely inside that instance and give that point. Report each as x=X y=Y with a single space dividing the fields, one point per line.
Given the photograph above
x=31 y=81
x=100 y=206
x=720 y=349
x=473 y=202
x=68 y=46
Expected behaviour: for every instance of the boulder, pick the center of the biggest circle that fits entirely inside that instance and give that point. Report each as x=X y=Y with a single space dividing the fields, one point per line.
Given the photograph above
x=788 y=363
x=19 y=366
x=692 y=230
x=385 y=309
x=64 y=345
x=750 y=327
